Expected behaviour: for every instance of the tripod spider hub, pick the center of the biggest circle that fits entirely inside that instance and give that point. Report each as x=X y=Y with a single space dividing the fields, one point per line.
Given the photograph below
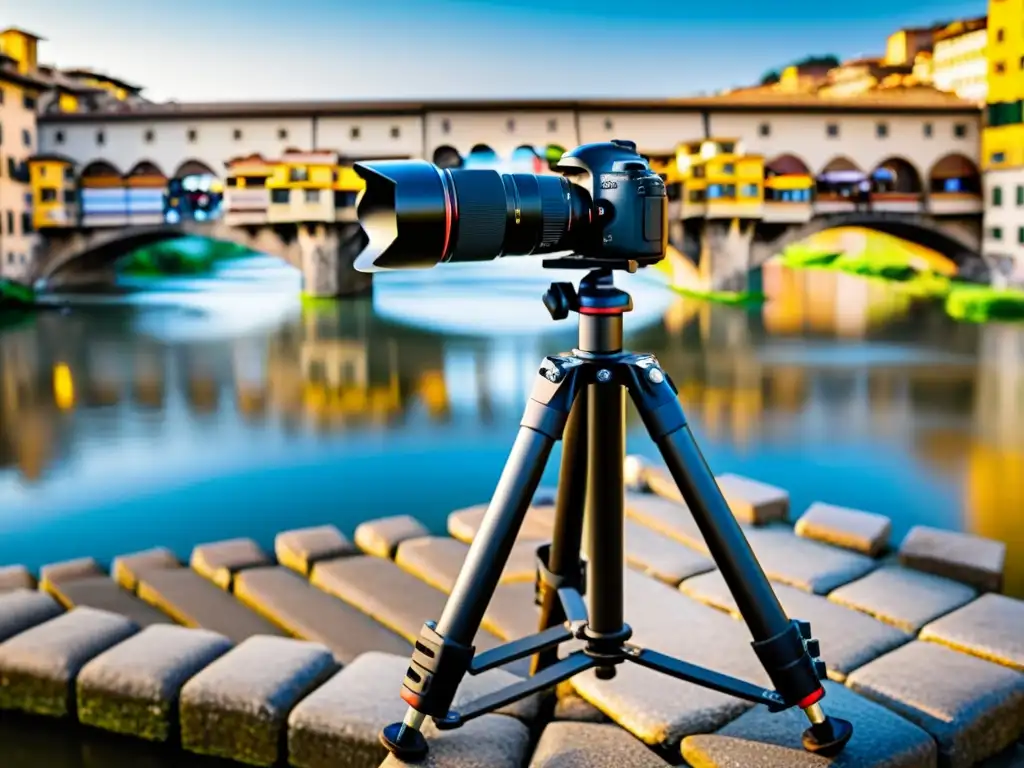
x=579 y=398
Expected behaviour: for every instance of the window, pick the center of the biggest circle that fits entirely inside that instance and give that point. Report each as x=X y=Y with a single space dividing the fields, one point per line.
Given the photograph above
x=12 y=168
x=997 y=196
x=881 y=130
x=1 y=95
x=764 y=129
x=997 y=157
x=70 y=197
x=446 y=125
x=353 y=132
x=344 y=198
x=192 y=135
x=237 y=134
x=996 y=233
x=1000 y=35
x=552 y=125
x=148 y=137
x=749 y=190
x=58 y=137
x=999 y=67
x=26 y=137
x=929 y=129
x=1005 y=113
x=832 y=130
x=312 y=195
x=29 y=101
x=69 y=172
x=280 y=196
x=960 y=130
x=608 y=125
x=1020 y=235
x=101 y=138
x=282 y=133
x=510 y=125
x=729 y=168
x=47 y=195
x=10 y=222
x=26 y=226
x=719 y=191
x=395 y=131
x=1020 y=194
x=299 y=173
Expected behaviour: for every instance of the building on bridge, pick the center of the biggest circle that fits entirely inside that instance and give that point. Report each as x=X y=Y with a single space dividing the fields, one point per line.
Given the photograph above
x=1003 y=135
x=960 y=59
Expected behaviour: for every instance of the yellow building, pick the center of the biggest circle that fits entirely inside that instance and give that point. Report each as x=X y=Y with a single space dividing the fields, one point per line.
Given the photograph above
x=959 y=59
x=54 y=192
x=302 y=187
x=903 y=45
x=1002 y=142
x=20 y=87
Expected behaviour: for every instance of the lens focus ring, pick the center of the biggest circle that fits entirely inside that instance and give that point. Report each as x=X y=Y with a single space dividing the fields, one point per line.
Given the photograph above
x=554 y=204
x=480 y=197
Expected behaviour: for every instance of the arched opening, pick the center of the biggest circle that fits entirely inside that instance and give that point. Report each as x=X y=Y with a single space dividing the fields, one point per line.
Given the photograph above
x=786 y=165
x=525 y=159
x=102 y=199
x=787 y=179
x=841 y=180
x=552 y=154
x=895 y=177
x=954 y=175
x=482 y=156
x=194 y=192
x=447 y=157
x=145 y=192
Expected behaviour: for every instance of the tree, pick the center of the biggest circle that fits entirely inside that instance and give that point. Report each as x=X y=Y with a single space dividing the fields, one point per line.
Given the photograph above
x=770 y=77
x=829 y=60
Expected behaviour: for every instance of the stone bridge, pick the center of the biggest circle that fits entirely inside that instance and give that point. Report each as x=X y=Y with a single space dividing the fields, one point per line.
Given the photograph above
x=323 y=252
x=725 y=251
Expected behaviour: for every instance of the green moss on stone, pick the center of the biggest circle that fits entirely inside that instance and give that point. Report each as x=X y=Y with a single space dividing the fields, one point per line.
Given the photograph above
x=150 y=720
x=316 y=749
x=36 y=695
x=238 y=736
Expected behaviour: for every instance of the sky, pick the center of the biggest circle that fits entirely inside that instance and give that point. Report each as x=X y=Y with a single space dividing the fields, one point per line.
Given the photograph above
x=228 y=50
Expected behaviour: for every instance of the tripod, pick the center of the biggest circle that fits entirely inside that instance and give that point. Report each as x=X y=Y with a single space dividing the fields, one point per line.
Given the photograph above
x=579 y=398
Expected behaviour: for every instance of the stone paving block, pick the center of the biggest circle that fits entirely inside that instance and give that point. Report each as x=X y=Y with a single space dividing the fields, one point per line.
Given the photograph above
x=881 y=739
x=22 y=609
x=219 y=561
x=537 y=526
x=126 y=569
x=385 y=592
x=237 y=707
x=38 y=667
x=338 y=724
x=991 y=627
x=302 y=548
x=575 y=708
x=863 y=532
x=104 y=594
x=16 y=577
x=971 y=707
x=591 y=745
x=658 y=709
x=493 y=741
x=133 y=687
x=382 y=536
x=68 y=570
x=849 y=639
x=304 y=611
x=752 y=501
x=960 y=556
x=903 y=597
x=666 y=516
x=191 y=600
x=512 y=612
x=438 y=560
x=660 y=557
x=805 y=564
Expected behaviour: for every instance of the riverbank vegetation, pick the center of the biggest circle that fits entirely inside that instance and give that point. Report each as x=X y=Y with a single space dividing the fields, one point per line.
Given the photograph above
x=17 y=303
x=185 y=256
x=968 y=302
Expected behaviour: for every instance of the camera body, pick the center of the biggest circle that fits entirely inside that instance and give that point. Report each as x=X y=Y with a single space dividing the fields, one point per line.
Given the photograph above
x=608 y=210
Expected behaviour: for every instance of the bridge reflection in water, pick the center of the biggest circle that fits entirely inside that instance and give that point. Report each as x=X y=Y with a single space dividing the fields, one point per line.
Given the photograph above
x=836 y=389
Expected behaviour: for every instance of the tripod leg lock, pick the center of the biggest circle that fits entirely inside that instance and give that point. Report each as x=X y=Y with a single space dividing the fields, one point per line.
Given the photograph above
x=547 y=580
x=795 y=673
x=435 y=672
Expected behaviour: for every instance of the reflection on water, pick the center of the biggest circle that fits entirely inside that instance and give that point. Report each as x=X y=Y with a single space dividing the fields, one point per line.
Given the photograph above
x=225 y=408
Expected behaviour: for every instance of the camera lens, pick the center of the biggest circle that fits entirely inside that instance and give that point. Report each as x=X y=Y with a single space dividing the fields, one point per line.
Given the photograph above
x=417 y=215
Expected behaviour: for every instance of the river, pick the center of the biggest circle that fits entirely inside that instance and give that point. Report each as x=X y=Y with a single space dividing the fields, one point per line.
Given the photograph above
x=172 y=412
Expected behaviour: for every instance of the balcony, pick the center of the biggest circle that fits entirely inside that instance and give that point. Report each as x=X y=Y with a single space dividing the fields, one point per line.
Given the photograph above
x=954 y=203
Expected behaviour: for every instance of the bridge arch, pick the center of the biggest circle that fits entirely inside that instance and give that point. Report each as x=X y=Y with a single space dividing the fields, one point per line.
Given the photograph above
x=194 y=167
x=954 y=173
x=839 y=179
x=482 y=155
x=145 y=168
x=100 y=169
x=787 y=165
x=447 y=157
x=896 y=175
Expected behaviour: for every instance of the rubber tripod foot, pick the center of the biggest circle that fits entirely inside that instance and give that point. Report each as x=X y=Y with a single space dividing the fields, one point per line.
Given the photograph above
x=409 y=745
x=828 y=738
